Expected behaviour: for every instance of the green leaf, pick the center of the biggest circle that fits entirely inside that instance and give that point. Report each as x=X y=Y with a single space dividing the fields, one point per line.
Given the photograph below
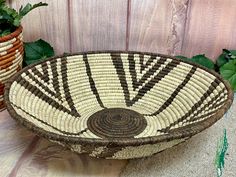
x=228 y=72
x=36 y=51
x=200 y=59
x=182 y=57
x=24 y=10
x=8 y=14
x=203 y=60
x=221 y=60
x=17 y=21
x=233 y=52
x=2 y=2
x=225 y=57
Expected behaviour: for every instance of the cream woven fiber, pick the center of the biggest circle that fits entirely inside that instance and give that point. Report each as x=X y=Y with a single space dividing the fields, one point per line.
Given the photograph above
x=152 y=95
x=11 y=57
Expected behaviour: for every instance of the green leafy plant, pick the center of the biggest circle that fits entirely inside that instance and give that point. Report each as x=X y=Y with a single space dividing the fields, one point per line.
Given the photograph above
x=225 y=64
x=200 y=59
x=10 y=19
x=37 y=51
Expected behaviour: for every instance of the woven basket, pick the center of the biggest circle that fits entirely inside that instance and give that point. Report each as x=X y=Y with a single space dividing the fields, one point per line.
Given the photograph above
x=117 y=105
x=11 y=56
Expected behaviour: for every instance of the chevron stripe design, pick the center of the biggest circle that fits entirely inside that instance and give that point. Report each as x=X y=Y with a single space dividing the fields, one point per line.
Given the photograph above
x=61 y=95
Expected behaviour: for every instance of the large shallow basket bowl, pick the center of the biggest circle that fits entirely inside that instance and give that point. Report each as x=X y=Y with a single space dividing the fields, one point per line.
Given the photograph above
x=116 y=104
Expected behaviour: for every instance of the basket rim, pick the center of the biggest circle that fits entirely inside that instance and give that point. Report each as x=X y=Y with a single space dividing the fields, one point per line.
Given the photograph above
x=178 y=133
x=12 y=35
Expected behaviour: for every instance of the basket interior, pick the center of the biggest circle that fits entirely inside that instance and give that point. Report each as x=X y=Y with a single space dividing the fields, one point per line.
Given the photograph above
x=62 y=94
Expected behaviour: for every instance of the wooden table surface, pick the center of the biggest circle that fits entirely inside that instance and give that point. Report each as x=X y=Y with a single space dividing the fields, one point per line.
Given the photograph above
x=24 y=154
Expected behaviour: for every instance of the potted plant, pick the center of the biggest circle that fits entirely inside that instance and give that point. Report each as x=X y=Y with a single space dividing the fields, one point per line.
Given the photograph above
x=11 y=41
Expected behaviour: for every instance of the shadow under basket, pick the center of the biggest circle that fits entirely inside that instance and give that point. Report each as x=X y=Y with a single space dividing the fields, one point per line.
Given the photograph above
x=117 y=105
x=11 y=57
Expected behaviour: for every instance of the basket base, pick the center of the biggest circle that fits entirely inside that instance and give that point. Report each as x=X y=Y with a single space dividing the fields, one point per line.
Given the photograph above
x=116 y=123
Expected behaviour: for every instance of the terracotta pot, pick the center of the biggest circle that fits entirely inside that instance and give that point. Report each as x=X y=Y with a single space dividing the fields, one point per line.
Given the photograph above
x=11 y=56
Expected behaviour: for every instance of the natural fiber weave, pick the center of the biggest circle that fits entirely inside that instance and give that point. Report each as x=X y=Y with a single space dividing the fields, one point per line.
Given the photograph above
x=117 y=104
x=20 y=50
x=11 y=57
